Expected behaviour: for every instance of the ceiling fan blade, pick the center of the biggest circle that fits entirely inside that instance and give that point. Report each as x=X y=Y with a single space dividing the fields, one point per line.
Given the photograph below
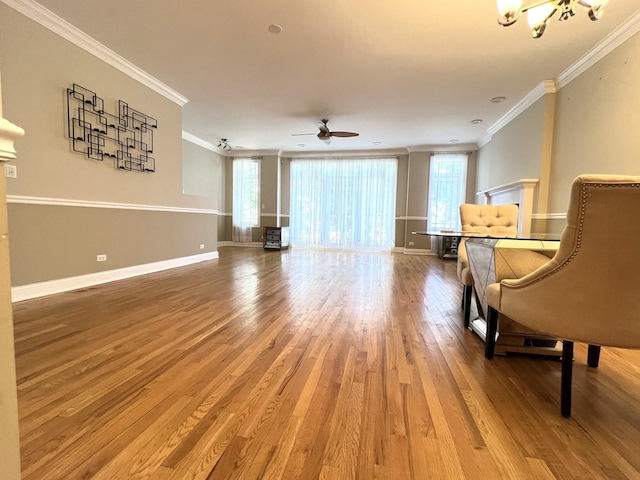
x=344 y=134
x=300 y=134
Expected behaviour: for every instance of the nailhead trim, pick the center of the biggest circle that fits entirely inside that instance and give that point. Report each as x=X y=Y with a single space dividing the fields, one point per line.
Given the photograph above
x=583 y=209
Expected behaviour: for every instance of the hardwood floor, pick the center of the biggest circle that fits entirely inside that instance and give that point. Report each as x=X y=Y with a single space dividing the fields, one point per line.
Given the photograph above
x=308 y=365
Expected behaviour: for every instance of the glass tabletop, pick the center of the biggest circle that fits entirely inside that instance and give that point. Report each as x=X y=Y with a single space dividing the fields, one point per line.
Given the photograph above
x=467 y=234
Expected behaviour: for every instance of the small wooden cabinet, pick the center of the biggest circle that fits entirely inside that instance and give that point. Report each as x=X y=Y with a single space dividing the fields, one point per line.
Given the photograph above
x=275 y=238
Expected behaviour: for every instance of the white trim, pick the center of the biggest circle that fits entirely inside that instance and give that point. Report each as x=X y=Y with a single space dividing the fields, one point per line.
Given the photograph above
x=35 y=290
x=520 y=192
x=240 y=244
x=198 y=141
x=507 y=187
x=411 y=218
x=612 y=41
x=274 y=215
x=94 y=204
x=225 y=214
x=549 y=216
x=547 y=86
x=355 y=154
x=456 y=148
x=8 y=134
x=417 y=251
x=61 y=27
x=242 y=153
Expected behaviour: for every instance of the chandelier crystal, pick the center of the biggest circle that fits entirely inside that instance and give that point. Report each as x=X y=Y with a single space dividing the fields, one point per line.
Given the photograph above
x=539 y=13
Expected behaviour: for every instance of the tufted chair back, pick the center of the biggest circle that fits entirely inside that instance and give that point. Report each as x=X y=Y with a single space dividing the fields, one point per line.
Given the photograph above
x=490 y=220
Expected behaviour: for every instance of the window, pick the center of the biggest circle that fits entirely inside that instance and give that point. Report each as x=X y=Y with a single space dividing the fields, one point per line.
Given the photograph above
x=343 y=203
x=246 y=198
x=447 y=190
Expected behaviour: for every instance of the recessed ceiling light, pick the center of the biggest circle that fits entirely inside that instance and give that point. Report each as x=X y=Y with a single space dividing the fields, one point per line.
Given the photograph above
x=239 y=147
x=377 y=143
x=275 y=28
x=301 y=145
x=476 y=121
x=454 y=140
x=498 y=99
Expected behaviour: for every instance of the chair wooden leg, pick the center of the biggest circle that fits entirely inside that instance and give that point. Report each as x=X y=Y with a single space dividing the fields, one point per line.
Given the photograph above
x=566 y=378
x=466 y=297
x=492 y=328
x=593 y=356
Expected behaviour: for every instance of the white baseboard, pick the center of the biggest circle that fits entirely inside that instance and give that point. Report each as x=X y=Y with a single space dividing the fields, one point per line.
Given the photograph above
x=417 y=251
x=240 y=244
x=35 y=290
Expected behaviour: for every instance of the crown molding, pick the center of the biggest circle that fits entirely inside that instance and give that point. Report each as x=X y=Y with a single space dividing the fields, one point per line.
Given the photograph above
x=61 y=27
x=609 y=43
x=235 y=153
x=612 y=41
x=382 y=153
x=202 y=143
x=547 y=86
x=450 y=148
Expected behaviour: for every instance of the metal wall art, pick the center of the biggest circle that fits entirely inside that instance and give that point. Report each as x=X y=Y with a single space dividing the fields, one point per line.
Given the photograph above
x=126 y=137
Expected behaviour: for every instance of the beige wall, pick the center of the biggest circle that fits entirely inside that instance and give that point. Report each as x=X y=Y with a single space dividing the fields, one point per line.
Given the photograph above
x=515 y=151
x=37 y=68
x=597 y=125
x=202 y=173
x=591 y=125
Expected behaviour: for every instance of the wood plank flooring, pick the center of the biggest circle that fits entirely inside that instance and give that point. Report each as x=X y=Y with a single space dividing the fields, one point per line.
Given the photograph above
x=303 y=365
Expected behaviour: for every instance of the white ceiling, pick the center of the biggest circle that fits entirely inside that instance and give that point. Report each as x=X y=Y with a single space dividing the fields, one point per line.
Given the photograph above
x=407 y=74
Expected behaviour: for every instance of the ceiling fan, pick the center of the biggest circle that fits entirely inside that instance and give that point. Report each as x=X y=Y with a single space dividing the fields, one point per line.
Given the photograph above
x=325 y=134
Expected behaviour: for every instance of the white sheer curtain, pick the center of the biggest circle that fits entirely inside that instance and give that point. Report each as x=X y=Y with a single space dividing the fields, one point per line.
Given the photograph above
x=246 y=198
x=343 y=203
x=447 y=190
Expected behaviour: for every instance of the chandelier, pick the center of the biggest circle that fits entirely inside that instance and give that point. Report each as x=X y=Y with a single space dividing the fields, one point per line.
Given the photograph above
x=539 y=13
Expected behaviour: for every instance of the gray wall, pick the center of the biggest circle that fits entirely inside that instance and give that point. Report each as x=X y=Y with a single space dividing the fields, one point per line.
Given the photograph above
x=202 y=171
x=37 y=68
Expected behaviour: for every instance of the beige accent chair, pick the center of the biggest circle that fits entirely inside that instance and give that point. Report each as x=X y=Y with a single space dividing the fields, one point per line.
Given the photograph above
x=586 y=292
x=485 y=220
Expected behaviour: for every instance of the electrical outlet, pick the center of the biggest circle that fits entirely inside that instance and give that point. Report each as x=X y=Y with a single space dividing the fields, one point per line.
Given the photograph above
x=202 y=246
x=10 y=171
x=101 y=258
x=411 y=243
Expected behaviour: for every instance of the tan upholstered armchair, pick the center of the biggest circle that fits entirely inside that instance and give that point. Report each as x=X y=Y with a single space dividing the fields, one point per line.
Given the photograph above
x=489 y=220
x=586 y=292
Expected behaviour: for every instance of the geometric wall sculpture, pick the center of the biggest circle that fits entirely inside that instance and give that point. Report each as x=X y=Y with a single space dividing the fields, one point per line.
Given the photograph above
x=126 y=137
